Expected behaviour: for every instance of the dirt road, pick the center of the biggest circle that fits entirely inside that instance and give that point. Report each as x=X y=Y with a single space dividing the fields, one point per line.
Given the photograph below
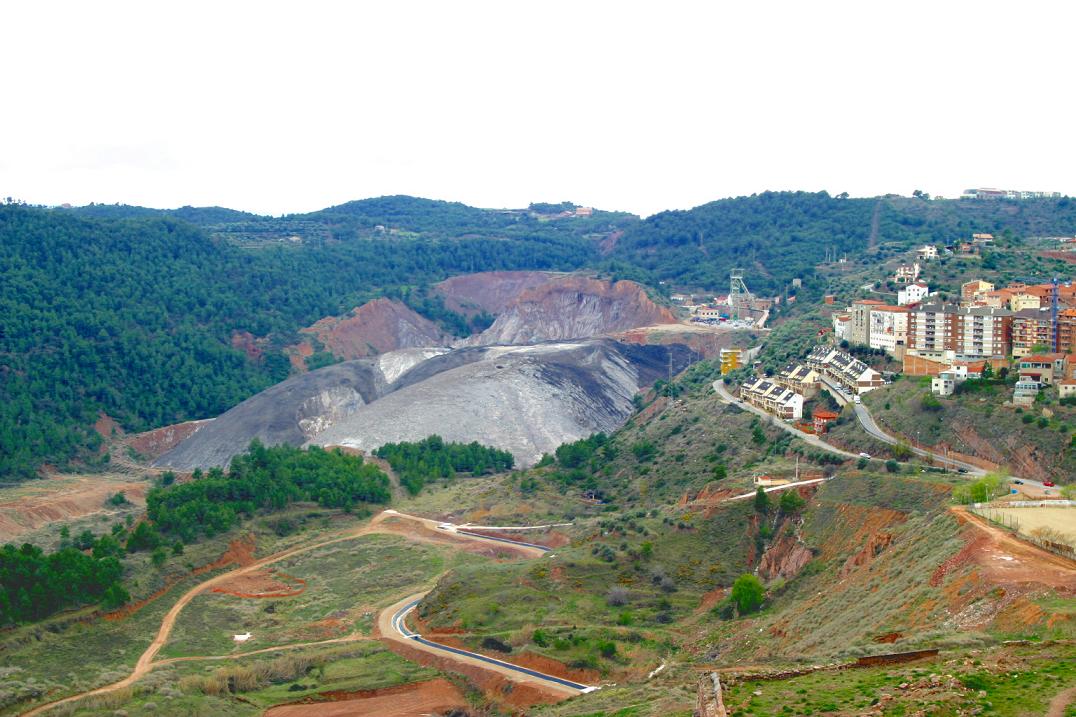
x=1006 y=558
x=1060 y=702
x=388 y=521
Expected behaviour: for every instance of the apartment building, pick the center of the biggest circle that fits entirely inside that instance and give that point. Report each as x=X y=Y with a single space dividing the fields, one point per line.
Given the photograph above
x=889 y=329
x=968 y=331
x=1030 y=328
x=932 y=327
x=984 y=331
x=861 y=321
x=1066 y=331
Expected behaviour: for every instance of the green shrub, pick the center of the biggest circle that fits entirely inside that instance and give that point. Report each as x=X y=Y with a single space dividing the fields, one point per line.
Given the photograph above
x=747 y=593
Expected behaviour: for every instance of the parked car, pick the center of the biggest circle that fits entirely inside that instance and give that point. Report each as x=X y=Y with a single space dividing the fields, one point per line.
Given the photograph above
x=865 y=455
x=1048 y=483
x=1018 y=482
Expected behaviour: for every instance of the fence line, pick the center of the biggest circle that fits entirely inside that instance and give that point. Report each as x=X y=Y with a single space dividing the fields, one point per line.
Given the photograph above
x=989 y=512
x=1028 y=504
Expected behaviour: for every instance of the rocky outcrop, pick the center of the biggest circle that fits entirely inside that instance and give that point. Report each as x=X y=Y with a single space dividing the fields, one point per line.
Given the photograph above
x=875 y=544
x=575 y=307
x=376 y=327
x=524 y=399
x=785 y=558
x=161 y=440
x=490 y=291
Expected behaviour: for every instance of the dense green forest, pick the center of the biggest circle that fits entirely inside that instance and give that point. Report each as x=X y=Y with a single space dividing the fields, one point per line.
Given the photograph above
x=432 y=458
x=34 y=585
x=778 y=236
x=264 y=479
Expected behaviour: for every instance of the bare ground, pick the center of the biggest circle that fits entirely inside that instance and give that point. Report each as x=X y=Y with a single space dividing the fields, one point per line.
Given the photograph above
x=61 y=498
x=418 y=698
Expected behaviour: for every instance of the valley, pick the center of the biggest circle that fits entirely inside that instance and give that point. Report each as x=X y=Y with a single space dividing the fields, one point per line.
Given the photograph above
x=550 y=490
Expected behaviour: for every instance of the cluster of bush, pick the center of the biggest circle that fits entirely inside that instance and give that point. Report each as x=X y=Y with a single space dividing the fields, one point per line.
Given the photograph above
x=418 y=463
x=33 y=584
x=264 y=479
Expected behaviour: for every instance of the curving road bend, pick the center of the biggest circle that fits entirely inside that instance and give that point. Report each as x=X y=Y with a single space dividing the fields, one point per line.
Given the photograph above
x=392 y=623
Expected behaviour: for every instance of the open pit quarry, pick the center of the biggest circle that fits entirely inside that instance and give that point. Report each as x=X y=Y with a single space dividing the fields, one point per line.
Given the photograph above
x=524 y=399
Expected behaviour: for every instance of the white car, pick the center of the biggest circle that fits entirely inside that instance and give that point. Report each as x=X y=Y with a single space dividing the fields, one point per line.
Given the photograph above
x=865 y=455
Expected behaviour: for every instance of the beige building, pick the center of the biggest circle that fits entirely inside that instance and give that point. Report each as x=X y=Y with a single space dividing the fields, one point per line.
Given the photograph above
x=801 y=379
x=970 y=290
x=861 y=321
x=1022 y=301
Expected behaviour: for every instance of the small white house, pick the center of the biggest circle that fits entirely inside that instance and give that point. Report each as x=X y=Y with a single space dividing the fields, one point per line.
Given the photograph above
x=242 y=638
x=944 y=384
x=927 y=252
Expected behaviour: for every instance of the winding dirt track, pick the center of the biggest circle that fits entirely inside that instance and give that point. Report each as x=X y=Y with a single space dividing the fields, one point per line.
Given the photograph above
x=146 y=661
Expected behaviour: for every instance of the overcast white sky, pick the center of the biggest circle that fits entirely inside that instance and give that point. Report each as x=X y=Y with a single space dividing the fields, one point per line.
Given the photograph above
x=289 y=107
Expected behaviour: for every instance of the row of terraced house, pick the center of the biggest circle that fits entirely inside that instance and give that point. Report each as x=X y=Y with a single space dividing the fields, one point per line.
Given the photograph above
x=783 y=395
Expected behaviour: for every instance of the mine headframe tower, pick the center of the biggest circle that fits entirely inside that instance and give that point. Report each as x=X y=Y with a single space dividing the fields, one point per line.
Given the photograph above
x=740 y=297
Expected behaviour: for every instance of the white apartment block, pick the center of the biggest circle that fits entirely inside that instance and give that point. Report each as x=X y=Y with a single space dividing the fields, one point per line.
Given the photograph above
x=888 y=328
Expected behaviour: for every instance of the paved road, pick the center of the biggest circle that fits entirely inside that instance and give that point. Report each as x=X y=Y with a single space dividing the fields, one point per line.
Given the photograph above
x=809 y=438
x=867 y=421
x=393 y=624
x=870 y=426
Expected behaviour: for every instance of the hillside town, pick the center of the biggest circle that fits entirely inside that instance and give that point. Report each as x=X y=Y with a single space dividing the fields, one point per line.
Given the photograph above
x=1026 y=329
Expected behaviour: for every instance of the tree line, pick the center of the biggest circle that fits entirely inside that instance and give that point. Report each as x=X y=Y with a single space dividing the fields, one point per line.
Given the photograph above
x=264 y=479
x=33 y=584
x=421 y=462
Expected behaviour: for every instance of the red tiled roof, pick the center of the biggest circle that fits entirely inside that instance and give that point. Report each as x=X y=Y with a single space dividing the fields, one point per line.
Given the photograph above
x=1043 y=358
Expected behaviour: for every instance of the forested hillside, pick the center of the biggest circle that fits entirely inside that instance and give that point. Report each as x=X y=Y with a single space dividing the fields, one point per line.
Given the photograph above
x=777 y=236
x=135 y=317
x=381 y=217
